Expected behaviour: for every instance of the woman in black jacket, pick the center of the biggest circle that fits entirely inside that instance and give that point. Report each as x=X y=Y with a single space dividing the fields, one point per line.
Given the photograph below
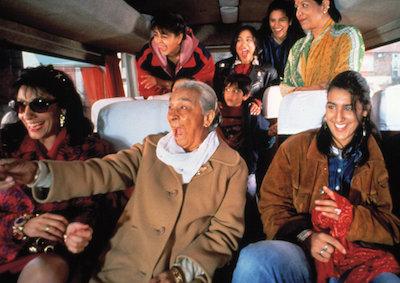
x=245 y=60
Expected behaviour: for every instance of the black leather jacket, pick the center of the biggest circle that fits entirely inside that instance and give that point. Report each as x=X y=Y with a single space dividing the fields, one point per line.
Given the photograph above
x=262 y=76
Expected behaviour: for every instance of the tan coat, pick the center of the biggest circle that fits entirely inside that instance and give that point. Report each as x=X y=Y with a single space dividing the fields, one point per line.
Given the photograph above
x=292 y=185
x=164 y=219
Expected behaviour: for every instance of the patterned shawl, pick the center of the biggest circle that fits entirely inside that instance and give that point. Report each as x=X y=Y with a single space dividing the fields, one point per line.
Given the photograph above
x=317 y=61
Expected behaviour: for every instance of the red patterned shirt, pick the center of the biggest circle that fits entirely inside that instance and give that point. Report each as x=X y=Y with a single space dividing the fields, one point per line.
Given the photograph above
x=17 y=201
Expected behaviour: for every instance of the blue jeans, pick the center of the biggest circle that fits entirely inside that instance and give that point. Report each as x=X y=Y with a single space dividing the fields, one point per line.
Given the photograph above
x=385 y=277
x=279 y=261
x=272 y=261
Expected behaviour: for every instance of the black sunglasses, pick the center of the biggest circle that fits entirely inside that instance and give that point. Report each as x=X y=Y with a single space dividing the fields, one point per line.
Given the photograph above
x=38 y=105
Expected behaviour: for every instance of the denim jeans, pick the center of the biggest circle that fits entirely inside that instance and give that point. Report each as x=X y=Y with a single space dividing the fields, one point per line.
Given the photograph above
x=385 y=277
x=280 y=261
x=272 y=261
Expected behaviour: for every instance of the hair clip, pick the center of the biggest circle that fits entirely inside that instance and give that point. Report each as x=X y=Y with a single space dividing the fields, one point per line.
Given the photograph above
x=60 y=77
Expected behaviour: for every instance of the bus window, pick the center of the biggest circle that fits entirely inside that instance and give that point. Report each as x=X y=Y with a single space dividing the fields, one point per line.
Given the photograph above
x=91 y=81
x=381 y=67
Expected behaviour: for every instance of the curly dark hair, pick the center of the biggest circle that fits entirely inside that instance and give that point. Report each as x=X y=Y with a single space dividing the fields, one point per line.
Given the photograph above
x=59 y=85
x=169 y=22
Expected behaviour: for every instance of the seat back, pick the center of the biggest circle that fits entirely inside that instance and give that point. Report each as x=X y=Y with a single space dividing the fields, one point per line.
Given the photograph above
x=272 y=99
x=99 y=104
x=126 y=123
x=385 y=109
x=301 y=111
x=386 y=116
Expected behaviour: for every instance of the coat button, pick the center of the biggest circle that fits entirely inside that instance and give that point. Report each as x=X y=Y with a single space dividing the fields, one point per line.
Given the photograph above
x=160 y=230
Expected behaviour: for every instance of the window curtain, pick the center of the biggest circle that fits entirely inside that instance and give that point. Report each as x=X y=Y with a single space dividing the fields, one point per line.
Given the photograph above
x=113 y=80
x=93 y=81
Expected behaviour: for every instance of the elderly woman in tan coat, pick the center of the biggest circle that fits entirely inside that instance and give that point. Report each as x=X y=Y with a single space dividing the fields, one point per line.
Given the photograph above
x=185 y=216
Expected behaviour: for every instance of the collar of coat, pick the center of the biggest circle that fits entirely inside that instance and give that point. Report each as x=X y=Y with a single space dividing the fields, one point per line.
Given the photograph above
x=224 y=154
x=314 y=154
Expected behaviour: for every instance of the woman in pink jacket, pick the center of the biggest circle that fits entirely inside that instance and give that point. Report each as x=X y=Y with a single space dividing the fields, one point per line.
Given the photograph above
x=172 y=53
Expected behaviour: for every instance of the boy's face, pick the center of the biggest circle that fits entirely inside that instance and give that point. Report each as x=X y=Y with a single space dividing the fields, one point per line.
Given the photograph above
x=233 y=95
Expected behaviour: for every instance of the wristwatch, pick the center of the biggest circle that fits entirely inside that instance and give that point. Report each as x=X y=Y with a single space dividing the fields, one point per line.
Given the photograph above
x=178 y=275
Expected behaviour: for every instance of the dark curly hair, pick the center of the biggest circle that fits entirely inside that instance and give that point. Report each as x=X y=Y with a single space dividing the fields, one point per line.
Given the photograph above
x=59 y=85
x=169 y=22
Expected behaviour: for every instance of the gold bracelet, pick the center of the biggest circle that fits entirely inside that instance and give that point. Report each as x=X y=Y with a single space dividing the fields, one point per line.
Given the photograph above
x=178 y=274
x=19 y=225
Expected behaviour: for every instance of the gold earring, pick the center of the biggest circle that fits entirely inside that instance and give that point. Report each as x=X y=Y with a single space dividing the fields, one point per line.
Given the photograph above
x=62 y=118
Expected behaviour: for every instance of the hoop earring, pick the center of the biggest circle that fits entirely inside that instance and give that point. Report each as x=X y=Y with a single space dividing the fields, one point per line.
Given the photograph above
x=62 y=118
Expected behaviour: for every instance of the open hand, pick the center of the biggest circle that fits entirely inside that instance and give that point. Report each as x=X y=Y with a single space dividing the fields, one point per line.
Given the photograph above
x=148 y=81
x=255 y=109
x=16 y=171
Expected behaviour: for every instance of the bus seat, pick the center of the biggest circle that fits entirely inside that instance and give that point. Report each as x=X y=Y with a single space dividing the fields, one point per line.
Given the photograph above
x=301 y=111
x=385 y=112
x=99 y=104
x=386 y=116
x=128 y=122
x=271 y=101
x=165 y=96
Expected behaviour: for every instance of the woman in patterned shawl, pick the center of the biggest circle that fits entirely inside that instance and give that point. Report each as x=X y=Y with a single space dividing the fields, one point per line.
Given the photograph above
x=37 y=241
x=328 y=48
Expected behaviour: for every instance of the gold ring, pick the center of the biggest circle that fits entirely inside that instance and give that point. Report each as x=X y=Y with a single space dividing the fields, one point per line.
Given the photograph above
x=47 y=229
x=321 y=252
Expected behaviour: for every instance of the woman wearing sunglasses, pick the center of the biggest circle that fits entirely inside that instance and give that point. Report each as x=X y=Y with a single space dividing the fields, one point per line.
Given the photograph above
x=37 y=241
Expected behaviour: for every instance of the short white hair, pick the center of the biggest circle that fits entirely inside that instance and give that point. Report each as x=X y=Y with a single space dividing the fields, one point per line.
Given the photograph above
x=208 y=99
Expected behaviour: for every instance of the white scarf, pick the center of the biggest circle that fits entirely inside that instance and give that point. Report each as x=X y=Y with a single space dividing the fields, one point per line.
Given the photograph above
x=186 y=163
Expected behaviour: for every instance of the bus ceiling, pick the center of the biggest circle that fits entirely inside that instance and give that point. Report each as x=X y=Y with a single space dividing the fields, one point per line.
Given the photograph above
x=86 y=30
x=83 y=30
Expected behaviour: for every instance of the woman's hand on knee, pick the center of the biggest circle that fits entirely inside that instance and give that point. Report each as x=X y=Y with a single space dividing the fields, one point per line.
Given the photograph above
x=323 y=246
x=48 y=226
x=77 y=237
